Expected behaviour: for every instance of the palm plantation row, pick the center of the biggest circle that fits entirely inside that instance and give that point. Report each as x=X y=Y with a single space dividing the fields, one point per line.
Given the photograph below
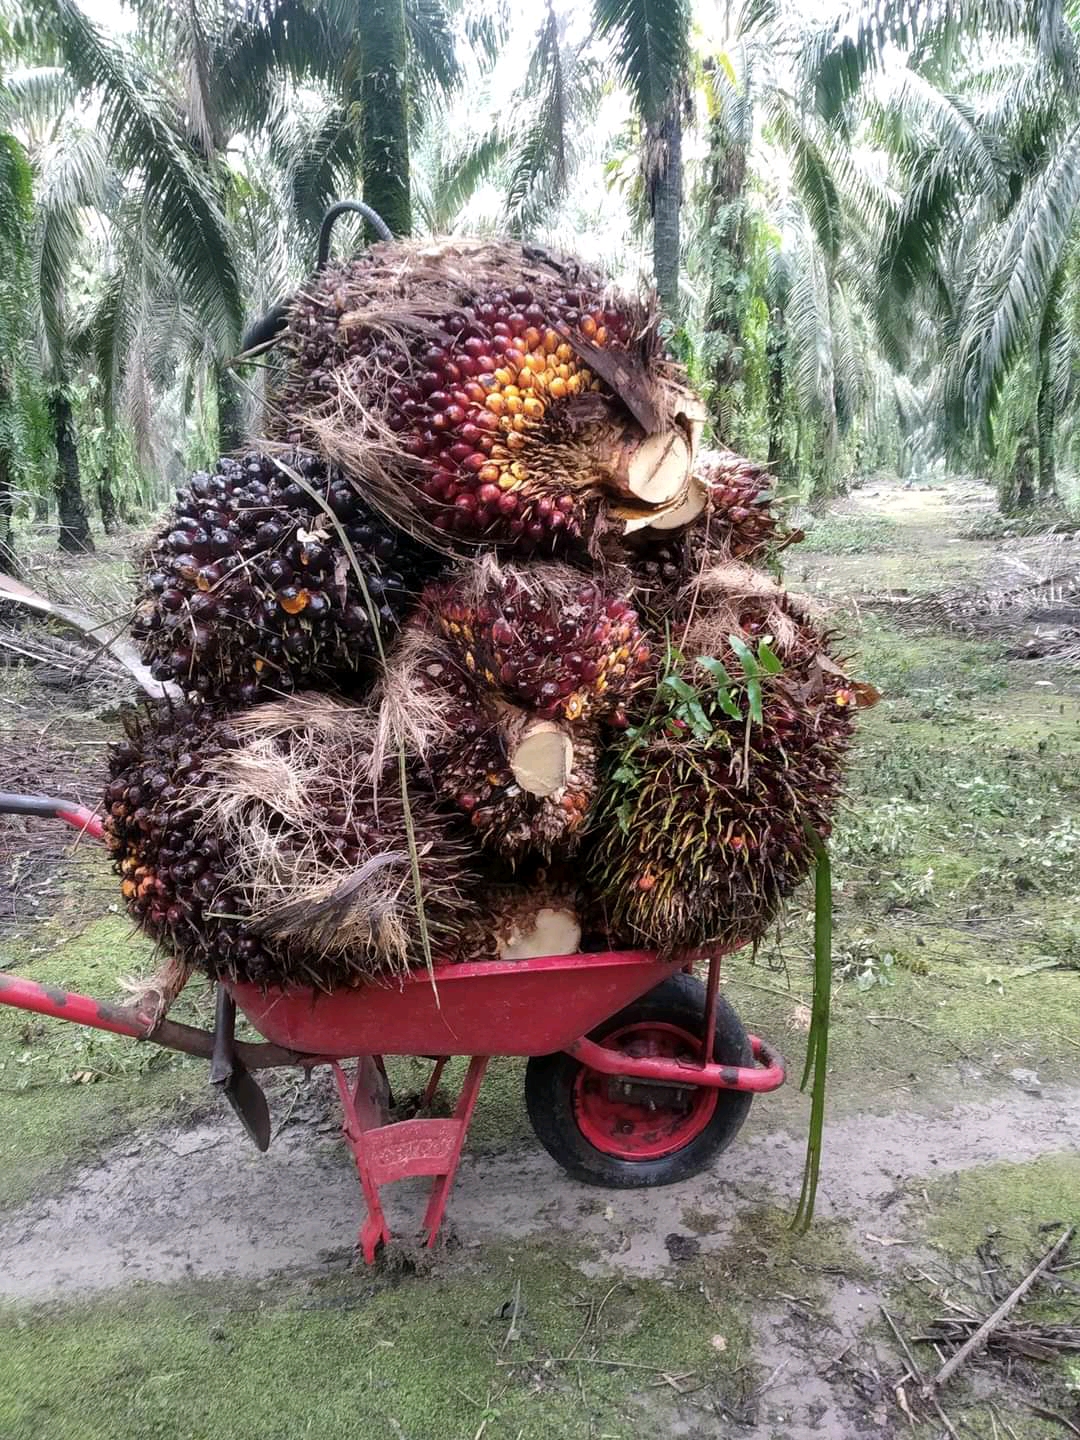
x=863 y=234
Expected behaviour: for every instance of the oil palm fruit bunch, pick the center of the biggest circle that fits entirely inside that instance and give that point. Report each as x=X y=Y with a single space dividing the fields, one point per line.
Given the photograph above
x=700 y=830
x=249 y=585
x=172 y=877
x=736 y=521
x=739 y=515
x=244 y=847
x=484 y=391
x=523 y=782
x=544 y=636
x=500 y=687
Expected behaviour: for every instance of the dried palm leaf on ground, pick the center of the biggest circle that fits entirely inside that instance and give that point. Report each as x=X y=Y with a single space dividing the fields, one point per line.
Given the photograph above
x=249 y=586
x=705 y=815
x=484 y=392
x=255 y=848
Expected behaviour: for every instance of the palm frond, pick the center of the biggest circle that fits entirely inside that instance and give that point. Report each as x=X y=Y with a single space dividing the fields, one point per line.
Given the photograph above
x=461 y=175
x=433 y=54
x=73 y=176
x=143 y=137
x=650 y=48
x=1009 y=294
x=814 y=181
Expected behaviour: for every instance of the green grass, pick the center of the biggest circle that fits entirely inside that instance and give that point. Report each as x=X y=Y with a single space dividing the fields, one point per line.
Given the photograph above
x=839 y=534
x=66 y=1091
x=429 y=1357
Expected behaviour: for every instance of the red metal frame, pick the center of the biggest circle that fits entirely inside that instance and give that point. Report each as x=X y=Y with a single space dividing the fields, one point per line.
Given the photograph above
x=521 y=1007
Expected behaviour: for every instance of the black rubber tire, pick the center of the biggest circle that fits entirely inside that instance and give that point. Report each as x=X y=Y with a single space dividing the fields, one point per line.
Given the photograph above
x=550 y=1082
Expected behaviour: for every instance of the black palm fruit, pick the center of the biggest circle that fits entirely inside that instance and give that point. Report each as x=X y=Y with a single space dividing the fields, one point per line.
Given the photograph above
x=250 y=587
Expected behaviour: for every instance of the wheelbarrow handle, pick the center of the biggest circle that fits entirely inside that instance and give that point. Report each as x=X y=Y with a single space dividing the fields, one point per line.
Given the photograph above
x=262 y=333
x=349 y=207
x=127 y=1020
x=47 y=808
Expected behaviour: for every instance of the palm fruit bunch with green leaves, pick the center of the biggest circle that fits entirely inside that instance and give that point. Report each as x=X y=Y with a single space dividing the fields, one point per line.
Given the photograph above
x=731 y=759
x=483 y=392
x=272 y=573
x=249 y=847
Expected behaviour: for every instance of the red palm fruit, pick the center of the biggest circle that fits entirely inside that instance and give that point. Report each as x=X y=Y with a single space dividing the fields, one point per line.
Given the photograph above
x=542 y=636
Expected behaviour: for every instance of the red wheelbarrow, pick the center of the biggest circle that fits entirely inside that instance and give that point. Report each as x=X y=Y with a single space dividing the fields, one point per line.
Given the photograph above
x=639 y=1074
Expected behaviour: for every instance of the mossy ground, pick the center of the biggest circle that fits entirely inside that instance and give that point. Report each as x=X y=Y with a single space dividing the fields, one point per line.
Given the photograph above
x=67 y=1091
x=958 y=953
x=984 y=1230
x=512 y=1342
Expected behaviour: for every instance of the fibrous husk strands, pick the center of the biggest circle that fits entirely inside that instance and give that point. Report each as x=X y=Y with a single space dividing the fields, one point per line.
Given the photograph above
x=267 y=857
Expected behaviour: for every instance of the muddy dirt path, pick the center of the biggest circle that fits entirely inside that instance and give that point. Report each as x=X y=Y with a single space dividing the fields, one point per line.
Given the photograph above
x=202 y=1203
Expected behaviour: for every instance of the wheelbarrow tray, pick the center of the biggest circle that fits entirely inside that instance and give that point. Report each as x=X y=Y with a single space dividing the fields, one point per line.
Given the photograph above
x=500 y=1007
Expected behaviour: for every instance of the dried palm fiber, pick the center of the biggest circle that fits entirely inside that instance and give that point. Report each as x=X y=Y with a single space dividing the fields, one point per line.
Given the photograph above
x=249 y=585
x=249 y=846
x=699 y=832
x=736 y=521
x=484 y=391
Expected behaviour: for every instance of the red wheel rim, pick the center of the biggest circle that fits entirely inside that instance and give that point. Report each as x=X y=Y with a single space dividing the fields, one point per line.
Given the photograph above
x=630 y=1130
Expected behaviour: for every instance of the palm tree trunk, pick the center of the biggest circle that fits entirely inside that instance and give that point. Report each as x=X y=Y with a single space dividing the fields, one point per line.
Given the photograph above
x=8 y=561
x=107 y=502
x=1023 y=487
x=1047 y=416
x=230 y=408
x=74 y=522
x=725 y=221
x=385 y=112
x=774 y=353
x=1046 y=404
x=666 y=197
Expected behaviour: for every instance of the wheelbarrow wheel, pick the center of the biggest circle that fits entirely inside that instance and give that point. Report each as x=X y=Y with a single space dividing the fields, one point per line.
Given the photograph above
x=602 y=1134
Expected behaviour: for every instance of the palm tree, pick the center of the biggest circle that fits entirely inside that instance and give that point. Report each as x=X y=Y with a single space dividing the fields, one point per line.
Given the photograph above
x=986 y=235
x=15 y=211
x=650 y=42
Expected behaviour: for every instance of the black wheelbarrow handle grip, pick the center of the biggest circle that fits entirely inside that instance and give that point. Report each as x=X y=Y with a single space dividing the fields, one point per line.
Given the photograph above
x=47 y=808
x=349 y=207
